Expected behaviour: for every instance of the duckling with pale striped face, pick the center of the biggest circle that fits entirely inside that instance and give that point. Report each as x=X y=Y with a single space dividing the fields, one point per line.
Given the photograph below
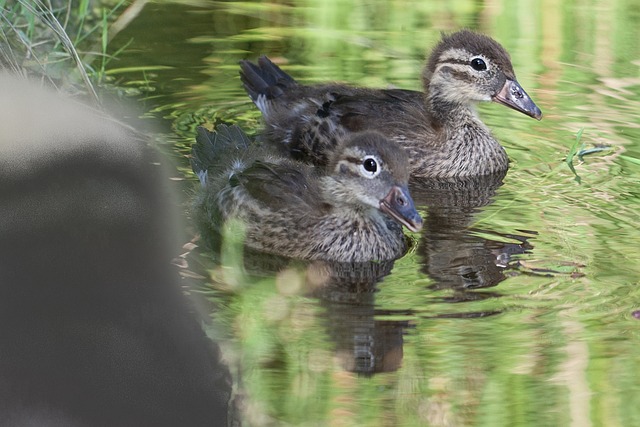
x=352 y=210
x=438 y=127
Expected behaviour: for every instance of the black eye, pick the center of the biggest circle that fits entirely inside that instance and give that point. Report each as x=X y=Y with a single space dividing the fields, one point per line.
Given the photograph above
x=370 y=165
x=478 y=64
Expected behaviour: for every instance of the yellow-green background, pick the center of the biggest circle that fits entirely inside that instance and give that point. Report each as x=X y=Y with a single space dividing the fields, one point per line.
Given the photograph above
x=564 y=346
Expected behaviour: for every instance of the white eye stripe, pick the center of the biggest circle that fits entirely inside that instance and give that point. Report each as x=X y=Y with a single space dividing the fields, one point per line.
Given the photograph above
x=453 y=66
x=457 y=55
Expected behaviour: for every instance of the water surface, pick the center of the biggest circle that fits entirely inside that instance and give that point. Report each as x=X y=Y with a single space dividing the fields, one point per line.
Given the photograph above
x=517 y=304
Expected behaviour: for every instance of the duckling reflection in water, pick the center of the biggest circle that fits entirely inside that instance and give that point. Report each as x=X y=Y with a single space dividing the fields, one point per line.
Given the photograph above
x=439 y=127
x=352 y=210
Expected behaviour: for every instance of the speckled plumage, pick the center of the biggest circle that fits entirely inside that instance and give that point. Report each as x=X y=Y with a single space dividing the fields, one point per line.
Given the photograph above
x=438 y=127
x=297 y=210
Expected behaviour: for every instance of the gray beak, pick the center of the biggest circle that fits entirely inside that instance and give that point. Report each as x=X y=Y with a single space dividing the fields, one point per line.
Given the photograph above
x=513 y=96
x=399 y=206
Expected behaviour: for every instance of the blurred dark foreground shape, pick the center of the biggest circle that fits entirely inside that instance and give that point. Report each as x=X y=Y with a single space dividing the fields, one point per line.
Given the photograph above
x=94 y=327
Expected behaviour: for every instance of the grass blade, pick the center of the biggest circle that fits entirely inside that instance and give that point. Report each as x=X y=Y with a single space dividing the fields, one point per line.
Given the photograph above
x=572 y=153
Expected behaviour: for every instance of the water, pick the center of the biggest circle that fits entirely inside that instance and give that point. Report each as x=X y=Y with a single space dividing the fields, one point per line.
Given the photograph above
x=517 y=304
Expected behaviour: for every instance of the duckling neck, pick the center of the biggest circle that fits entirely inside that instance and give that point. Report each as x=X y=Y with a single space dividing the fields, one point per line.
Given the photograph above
x=447 y=113
x=355 y=232
x=465 y=145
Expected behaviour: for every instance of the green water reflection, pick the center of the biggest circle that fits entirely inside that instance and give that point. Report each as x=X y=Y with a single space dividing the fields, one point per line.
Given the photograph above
x=514 y=308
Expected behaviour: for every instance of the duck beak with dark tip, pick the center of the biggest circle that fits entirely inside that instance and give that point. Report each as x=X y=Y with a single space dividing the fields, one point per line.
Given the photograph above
x=513 y=96
x=399 y=206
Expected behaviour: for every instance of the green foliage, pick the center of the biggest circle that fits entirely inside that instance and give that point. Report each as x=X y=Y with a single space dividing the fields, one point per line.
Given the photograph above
x=633 y=160
x=572 y=153
x=56 y=43
x=578 y=150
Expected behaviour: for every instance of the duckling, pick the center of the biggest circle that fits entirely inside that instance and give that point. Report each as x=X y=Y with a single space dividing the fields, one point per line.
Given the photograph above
x=352 y=210
x=438 y=127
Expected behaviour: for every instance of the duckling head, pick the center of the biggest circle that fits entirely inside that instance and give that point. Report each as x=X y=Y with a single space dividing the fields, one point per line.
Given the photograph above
x=371 y=171
x=468 y=67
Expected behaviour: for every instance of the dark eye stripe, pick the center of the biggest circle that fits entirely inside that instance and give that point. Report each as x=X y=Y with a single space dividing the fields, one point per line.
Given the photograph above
x=354 y=160
x=451 y=61
x=463 y=75
x=455 y=61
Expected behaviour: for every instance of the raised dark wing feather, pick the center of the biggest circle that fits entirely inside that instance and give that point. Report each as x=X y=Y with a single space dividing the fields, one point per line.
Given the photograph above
x=214 y=148
x=279 y=186
x=372 y=109
x=264 y=78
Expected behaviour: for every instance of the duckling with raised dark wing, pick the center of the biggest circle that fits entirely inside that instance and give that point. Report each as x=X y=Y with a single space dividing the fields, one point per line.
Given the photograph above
x=439 y=128
x=353 y=210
